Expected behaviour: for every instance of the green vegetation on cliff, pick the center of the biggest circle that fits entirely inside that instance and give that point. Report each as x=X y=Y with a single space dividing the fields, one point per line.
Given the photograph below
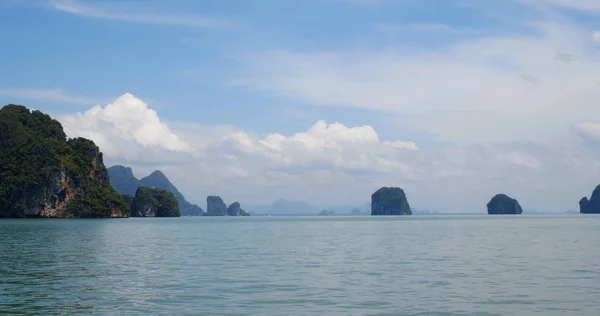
x=149 y=202
x=45 y=175
x=390 y=201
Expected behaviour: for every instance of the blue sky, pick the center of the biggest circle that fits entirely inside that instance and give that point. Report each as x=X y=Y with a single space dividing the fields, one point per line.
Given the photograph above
x=483 y=96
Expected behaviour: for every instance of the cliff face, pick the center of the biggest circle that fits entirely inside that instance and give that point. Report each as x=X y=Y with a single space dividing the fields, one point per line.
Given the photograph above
x=45 y=175
x=503 y=204
x=591 y=206
x=215 y=206
x=236 y=210
x=390 y=201
x=150 y=202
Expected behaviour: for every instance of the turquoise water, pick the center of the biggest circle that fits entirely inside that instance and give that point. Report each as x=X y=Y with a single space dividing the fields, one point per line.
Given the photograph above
x=430 y=265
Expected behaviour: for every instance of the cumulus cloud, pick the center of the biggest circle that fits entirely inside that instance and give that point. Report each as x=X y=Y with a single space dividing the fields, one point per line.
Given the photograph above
x=126 y=128
x=322 y=146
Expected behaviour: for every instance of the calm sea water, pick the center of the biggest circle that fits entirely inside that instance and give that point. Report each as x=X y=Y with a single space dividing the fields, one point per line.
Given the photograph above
x=431 y=265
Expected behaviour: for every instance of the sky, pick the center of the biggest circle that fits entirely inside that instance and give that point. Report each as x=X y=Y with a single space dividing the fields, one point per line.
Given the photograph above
x=323 y=101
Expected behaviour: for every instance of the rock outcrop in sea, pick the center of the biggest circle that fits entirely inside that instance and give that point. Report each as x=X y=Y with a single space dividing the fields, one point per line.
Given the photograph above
x=215 y=206
x=149 y=202
x=123 y=180
x=326 y=213
x=236 y=210
x=502 y=204
x=44 y=174
x=591 y=206
x=390 y=201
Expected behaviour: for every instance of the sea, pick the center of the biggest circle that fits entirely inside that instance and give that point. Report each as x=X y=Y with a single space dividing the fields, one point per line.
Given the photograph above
x=414 y=265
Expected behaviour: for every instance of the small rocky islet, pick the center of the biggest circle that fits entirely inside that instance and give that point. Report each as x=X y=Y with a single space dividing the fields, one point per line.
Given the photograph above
x=592 y=205
x=389 y=201
x=502 y=204
x=45 y=174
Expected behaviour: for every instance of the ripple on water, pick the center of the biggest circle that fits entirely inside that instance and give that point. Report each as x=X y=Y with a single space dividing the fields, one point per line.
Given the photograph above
x=301 y=266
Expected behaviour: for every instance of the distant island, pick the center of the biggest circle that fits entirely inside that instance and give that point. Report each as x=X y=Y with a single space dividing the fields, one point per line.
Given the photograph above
x=390 y=201
x=44 y=174
x=235 y=209
x=326 y=213
x=216 y=207
x=123 y=180
x=591 y=206
x=501 y=204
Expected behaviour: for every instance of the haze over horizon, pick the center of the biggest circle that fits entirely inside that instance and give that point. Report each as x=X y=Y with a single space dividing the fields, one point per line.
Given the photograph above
x=324 y=101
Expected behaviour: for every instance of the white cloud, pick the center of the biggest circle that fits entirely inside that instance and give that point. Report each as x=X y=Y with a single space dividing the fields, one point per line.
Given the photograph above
x=471 y=90
x=51 y=95
x=126 y=128
x=120 y=13
x=323 y=146
x=596 y=36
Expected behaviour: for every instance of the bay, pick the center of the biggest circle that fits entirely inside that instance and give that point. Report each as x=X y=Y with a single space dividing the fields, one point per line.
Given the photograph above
x=417 y=265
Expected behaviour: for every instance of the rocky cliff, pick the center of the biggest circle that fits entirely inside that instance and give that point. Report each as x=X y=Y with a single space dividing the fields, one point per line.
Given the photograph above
x=122 y=179
x=591 y=206
x=390 y=201
x=44 y=174
x=502 y=204
x=149 y=202
x=215 y=206
x=236 y=210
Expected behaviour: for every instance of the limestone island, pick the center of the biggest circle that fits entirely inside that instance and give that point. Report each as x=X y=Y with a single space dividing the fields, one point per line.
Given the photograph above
x=216 y=207
x=149 y=202
x=45 y=174
x=502 y=204
x=591 y=206
x=236 y=210
x=390 y=201
x=123 y=180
